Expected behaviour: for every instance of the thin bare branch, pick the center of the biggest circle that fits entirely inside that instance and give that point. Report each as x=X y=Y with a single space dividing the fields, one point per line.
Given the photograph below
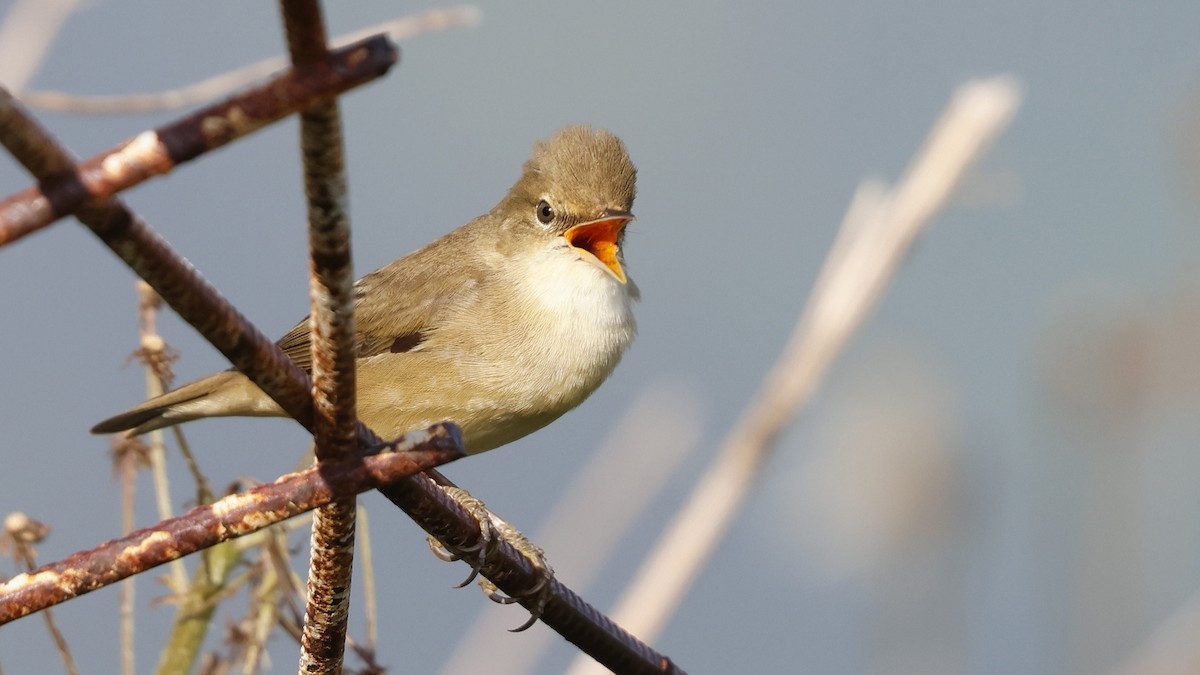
x=367 y=561
x=157 y=356
x=129 y=454
x=21 y=535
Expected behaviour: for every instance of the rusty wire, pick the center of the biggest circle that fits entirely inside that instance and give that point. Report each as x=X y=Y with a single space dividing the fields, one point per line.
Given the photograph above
x=331 y=326
x=157 y=152
x=227 y=518
x=251 y=352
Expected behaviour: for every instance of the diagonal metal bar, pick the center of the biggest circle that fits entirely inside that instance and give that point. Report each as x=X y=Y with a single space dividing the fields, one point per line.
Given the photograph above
x=565 y=612
x=198 y=303
x=331 y=324
x=159 y=151
x=228 y=518
x=179 y=284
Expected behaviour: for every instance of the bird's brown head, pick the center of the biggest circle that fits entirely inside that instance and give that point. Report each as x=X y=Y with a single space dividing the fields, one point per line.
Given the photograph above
x=579 y=185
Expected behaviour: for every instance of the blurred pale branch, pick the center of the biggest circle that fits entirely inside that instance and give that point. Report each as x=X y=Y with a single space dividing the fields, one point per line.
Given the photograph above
x=876 y=234
x=221 y=85
x=26 y=33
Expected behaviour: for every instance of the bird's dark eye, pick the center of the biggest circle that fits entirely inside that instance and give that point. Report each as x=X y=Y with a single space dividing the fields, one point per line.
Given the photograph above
x=545 y=212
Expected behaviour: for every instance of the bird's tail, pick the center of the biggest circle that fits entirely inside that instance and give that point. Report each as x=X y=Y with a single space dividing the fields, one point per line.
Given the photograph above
x=220 y=394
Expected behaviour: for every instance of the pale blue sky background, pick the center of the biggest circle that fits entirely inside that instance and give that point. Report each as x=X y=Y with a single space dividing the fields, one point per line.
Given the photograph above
x=1032 y=356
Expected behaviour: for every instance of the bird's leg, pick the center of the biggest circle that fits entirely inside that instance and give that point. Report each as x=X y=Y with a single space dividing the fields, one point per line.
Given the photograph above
x=493 y=530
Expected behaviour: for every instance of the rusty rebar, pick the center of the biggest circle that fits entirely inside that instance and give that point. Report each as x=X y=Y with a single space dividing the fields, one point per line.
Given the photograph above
x=565 y=612
x=172 y=276
x=227 y=518
x=194 y=299
x=159 y=151
x=331 y=326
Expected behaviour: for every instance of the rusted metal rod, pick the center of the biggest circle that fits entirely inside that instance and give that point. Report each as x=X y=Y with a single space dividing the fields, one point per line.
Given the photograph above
x=157 y=152
x=331 y=322
x=228 y=518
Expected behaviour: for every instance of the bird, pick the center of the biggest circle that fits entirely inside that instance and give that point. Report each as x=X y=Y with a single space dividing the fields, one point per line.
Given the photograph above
x=500 y=326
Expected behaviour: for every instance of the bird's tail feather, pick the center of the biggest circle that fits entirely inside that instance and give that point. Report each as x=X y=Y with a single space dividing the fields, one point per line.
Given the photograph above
x=191 y=401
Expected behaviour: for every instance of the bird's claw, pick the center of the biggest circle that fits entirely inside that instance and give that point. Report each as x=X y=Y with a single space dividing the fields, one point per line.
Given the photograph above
x=541 y=590
x=492 y=531
x=444 y=554
x=476 y=554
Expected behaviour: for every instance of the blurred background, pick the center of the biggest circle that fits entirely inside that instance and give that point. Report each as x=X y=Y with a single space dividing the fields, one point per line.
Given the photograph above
x=1000 y=473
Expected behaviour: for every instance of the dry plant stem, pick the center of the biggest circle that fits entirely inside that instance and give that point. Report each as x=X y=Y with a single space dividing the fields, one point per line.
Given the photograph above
x=291 y=586
x=220 y=85
x=126 y=596
x=864 y=259
x=331 y=322
x=153 y=347
x=60 y=643
x=204 y=492
x=263 y=608
x=23 y=538
x=225 y=519
x=367 y=561
x=255 y=355
x=196 y=608
x=154 y=153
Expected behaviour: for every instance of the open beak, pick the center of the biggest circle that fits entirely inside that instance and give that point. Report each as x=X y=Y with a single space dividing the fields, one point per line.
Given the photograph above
x=598 y=239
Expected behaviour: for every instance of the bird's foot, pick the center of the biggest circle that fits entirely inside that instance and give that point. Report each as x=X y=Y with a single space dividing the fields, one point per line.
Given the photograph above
x=472 y=555
x=494 y=530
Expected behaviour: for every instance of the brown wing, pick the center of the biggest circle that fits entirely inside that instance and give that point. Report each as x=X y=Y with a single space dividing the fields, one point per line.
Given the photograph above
x=396 y=307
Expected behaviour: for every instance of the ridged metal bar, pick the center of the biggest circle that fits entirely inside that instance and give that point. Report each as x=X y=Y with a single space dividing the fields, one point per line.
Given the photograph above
x=228 y=518
x=331 y=321
x=159 y=151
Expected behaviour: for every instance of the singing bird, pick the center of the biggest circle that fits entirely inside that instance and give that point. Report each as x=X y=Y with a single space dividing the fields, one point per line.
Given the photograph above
x=500 y=326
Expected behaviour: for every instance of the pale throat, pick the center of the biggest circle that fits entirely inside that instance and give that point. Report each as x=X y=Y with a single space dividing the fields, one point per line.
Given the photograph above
x=583 y=315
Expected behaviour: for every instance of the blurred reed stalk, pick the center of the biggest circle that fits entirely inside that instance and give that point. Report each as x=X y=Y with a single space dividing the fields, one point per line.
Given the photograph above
x=878 y=230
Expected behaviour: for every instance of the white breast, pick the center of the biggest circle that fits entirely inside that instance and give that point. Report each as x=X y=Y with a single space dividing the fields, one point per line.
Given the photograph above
x=580 y=320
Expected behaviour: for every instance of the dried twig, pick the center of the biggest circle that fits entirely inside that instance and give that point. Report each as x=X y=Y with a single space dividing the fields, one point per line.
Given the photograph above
x=21 y=534
x=157 y=356
x=367 y=560
x=129 y=455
